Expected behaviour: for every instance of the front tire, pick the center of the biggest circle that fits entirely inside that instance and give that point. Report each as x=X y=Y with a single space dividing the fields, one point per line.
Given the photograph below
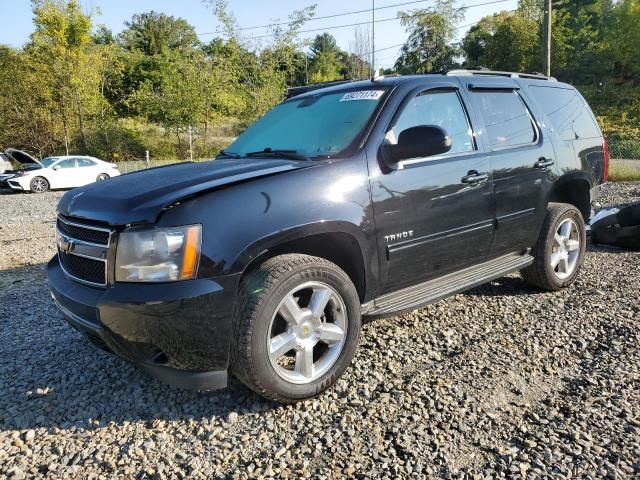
x=102 y=177
x=297 y=325
x=559 y=251
x=39 y=185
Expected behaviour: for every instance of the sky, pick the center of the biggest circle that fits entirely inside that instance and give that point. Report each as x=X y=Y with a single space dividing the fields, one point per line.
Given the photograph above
x=17 y=23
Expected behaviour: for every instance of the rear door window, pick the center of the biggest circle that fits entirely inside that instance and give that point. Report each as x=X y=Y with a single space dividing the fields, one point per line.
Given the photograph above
x=507 y=122
x=85 y=162
x=567 y=112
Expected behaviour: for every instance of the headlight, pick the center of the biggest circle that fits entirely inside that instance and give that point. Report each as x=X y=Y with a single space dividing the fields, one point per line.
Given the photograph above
x=162 y=255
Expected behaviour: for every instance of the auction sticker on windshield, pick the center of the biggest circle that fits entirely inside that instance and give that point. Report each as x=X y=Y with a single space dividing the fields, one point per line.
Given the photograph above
x=362 y=95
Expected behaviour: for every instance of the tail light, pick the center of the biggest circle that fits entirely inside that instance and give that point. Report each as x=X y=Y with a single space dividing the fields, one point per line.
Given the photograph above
x=605 y=149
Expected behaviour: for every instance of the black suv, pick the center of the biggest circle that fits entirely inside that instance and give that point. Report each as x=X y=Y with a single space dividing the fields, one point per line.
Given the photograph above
x=364 y=198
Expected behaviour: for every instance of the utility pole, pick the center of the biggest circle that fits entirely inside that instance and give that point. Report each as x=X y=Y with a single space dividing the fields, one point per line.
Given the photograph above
x=373 y=38
x=547 y=38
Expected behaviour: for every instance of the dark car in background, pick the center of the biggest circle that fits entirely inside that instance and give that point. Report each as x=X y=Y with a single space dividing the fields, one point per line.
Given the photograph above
x=362 y=199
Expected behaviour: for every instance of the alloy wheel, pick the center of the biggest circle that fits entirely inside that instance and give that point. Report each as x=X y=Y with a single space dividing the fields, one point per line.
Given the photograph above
x=307 y=332
x=565 y=251
x=39 y=185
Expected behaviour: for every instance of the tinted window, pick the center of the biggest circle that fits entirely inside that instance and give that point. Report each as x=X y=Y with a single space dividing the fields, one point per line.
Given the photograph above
x=567 y=112
x=442 y=109
x=68 y=163
x=85 y=162
x=506 y=119
x=316 y=125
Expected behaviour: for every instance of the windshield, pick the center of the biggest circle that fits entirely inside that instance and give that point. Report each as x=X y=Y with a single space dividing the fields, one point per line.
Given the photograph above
x=313 y=126
x=47 y=162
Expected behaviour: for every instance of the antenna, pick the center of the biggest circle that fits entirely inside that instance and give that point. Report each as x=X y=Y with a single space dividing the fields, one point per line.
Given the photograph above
x=373 y=38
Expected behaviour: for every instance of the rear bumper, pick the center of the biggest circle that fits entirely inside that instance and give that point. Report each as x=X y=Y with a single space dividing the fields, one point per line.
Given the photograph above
x=179 y=333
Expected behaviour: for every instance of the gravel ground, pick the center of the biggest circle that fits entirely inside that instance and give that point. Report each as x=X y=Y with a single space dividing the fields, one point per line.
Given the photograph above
x=502 y=381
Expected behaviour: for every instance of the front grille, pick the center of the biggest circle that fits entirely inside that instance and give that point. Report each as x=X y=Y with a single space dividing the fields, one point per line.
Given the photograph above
x=81 y=232
x=86 y=269
x=83 y=250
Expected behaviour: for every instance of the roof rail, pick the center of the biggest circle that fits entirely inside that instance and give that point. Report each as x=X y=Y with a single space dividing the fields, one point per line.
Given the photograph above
x=480 y=71
x=293 y=91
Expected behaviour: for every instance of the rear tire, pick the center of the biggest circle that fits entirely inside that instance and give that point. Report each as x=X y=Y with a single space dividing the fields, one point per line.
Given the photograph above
x=39 y=185
x=297 y=324
x=101 y=177
x=559 y=252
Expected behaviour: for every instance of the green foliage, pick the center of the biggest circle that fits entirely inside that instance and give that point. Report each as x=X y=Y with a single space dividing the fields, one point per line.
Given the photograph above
x=429 y=47
x=595 y=45
x=71 y=89
x=81 y=89
x=154 y=33
x=617 y=108
x=484 y=45
x=326 y=59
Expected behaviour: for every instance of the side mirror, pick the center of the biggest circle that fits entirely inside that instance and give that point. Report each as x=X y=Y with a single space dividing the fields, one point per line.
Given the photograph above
x=56 y=168
x=418 y=142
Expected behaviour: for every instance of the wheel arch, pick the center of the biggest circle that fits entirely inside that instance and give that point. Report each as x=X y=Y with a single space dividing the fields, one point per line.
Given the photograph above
x=338 y=245
x=574 y=189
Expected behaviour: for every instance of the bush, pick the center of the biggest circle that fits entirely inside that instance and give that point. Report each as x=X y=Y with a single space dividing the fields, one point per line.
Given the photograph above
x=617 y=108
x=115 y=142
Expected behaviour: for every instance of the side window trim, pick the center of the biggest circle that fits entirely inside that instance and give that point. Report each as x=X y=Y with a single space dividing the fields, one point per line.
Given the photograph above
x=431 y=90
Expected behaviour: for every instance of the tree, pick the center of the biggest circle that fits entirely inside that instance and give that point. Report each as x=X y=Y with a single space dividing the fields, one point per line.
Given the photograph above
x=27 y=111
x=153 y=33
x=58 y=50
x=103 y=36
x=623 y=39
x=358 y=64
x=484 y=44
x=325 y=61
x=430 y=46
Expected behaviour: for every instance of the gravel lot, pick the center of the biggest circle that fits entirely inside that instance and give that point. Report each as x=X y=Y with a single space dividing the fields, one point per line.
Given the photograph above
x=503 y=381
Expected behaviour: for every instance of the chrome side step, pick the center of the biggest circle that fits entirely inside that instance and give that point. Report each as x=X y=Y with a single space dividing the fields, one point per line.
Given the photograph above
x=431 y=291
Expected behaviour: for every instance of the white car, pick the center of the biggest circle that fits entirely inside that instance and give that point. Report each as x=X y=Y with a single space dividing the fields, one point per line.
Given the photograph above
x=68 y=171
x=5 y=163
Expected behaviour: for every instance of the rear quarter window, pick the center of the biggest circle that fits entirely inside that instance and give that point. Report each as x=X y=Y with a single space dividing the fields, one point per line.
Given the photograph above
x=566 y=110
x=507 y=122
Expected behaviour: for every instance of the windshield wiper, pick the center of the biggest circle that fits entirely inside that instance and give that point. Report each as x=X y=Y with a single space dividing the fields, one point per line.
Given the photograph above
x=225 y=153
x=270 y=152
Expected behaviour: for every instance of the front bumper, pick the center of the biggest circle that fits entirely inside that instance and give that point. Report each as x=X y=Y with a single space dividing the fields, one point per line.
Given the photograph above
x=15 y=184
x=178 y=332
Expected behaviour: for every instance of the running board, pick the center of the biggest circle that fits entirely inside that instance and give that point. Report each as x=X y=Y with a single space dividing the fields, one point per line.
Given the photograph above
x=433 y=290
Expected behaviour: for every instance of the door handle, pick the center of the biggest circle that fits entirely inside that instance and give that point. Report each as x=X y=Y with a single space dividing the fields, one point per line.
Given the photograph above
x=543 y=163
x=475 y=177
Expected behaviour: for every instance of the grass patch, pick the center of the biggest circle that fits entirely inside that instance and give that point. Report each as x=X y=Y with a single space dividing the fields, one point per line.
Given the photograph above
x=624 y=170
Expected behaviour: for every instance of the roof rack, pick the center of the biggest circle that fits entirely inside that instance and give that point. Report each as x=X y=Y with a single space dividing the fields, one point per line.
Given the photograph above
x=293 y=91
x=496 y=73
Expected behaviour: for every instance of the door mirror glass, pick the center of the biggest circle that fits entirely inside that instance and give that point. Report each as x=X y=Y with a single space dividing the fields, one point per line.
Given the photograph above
x=418 y=142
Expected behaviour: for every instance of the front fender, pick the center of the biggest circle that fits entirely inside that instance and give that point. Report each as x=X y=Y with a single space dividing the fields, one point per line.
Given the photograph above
x=274 y=240
x=246 y=220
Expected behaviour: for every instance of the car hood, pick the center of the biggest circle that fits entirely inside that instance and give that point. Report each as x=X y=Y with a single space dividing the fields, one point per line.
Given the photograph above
x=21 y=157
x=139 y=197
